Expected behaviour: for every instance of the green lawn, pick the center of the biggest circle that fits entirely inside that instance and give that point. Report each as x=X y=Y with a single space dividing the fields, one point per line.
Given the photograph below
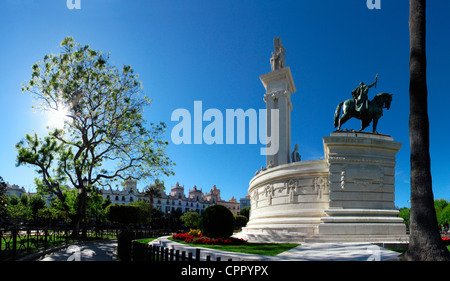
x=145 y=240
x=267 y=249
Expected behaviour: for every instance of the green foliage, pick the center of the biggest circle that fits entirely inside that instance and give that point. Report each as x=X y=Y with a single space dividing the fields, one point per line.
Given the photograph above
x=445 y=216
x=144 y=211
x=245 y=212
x=405 y=213
x=124 y=214
x=104 y=126
x=191 y=219
x=16 y=211
x=68 y=207
x=36 y=203
x=442 y=208
x=2 y=196
x=13 y=200
x=240 y=221
x=439 y=206
x=217 y=221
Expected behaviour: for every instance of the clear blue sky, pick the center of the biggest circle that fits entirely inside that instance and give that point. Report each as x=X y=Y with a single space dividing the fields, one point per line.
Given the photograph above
x=215 y=51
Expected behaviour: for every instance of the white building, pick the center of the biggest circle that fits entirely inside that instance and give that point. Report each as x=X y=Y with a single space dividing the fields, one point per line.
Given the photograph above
x=176 y=200
x=14 y=190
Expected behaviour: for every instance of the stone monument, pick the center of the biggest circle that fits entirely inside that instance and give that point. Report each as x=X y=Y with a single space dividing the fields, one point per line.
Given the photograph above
x=346 y=197
x=279 y=86
x=362 y=189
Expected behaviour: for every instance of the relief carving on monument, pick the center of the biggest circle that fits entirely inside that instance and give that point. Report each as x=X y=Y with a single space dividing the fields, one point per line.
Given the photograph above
x=269 y=191
x=275 y=95
x=321 y=186
x=291 y=189
x=363 y=176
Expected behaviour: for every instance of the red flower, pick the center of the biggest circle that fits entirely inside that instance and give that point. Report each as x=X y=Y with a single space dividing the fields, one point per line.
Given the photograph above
x=206 y=240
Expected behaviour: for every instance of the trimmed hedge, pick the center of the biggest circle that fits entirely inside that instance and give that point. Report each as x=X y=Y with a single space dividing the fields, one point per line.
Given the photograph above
x=217 y=221
x=124 y=214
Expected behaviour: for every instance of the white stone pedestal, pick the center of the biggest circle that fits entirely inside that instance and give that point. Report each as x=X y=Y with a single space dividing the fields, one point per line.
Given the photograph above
x=362 y=186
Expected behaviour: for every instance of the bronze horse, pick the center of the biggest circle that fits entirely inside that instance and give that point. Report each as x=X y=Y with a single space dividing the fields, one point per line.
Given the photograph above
x=373 y=112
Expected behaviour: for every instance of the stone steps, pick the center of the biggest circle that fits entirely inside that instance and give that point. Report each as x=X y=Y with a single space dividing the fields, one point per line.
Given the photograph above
x=386 y=239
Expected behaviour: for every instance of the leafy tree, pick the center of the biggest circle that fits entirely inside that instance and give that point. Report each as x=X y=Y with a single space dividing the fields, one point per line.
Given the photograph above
x=125 y=215
x=13 y=200
x=48 y=215
x=445 y=216
x=17 y=211
x=2 y=195
x=96 y=207
x=245 y=212
x=424 y=241
x=154 y=191
x=191 y=219
x=405 y=213
x=144 y=211
x=240 y=221
x=24 y=199
x=66 y=210
x=440 y=204
x=104 y=126
x=36 y=204
x=156 y=218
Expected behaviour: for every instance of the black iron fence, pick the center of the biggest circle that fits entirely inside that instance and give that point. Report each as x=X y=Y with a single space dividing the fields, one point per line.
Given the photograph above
x=156 y=253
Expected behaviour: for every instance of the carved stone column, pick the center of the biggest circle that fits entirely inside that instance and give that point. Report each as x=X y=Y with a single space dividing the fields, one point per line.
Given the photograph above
x=279 y=86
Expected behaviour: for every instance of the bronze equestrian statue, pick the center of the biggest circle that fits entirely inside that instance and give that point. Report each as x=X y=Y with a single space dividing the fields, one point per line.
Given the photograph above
x=361 y=108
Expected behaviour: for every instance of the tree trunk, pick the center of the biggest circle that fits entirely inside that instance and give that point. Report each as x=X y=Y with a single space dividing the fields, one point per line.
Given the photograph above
x=425 y=241
x=80 y=217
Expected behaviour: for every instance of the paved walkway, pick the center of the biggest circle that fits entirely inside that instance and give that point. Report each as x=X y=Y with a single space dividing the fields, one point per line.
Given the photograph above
x=303 y=252
x=94 y=251
x=105 y=251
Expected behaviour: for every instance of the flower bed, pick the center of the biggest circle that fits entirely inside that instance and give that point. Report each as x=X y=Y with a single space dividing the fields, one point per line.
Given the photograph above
x=446 y=240
x=186 y=237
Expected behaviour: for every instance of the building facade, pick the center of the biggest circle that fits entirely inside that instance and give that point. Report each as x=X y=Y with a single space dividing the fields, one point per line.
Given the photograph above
x=14 y=190
x=175 y=200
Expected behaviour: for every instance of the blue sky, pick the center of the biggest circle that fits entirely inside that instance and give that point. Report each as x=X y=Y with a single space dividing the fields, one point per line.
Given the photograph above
x=214 y=52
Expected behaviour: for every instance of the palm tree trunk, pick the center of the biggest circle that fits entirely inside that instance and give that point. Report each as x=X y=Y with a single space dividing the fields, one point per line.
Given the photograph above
x=425 y=241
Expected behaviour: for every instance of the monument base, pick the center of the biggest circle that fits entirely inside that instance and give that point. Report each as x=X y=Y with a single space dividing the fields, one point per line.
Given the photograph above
x=287 y=202
x=362 y=187
x=348 y=197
